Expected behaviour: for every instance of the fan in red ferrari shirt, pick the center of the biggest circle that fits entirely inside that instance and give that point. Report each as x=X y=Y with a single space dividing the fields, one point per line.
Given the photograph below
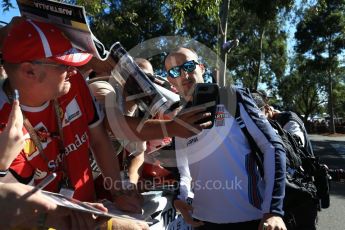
x=63 y=119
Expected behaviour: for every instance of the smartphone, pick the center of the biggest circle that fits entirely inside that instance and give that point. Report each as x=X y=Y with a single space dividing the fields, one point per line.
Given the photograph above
x=207 y=94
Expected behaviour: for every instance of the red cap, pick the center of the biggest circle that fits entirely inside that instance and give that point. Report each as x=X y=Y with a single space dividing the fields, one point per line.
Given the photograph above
x=31 y=40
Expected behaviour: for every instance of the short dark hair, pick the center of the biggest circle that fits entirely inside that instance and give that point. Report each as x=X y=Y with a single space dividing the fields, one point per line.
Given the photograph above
x=262 y=94
x=258 y=99
x=173 y=51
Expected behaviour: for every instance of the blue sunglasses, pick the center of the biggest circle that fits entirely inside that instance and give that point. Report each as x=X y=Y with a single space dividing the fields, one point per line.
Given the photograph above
x=188 y=66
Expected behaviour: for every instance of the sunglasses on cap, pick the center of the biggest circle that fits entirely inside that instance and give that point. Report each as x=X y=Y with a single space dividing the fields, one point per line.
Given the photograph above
x=188 y=66
x=53 y=64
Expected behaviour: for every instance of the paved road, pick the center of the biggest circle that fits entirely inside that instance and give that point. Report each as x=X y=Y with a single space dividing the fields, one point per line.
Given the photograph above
x=331 y=151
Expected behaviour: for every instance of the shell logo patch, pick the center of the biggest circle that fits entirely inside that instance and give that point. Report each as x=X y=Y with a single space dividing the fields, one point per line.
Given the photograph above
x=29 y=147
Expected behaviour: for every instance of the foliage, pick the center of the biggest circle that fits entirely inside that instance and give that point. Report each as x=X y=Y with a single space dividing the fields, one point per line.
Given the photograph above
x=321 y=37
x=6 y=5
x=92 y=7
x=303 y=89
x=261 y=56
x=179 y=9
x=267 y=10
x=132 y=22
x=244 y=61
x=200 y=27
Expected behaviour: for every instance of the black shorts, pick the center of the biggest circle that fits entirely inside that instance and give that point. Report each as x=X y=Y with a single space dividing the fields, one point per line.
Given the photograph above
x=303 y=217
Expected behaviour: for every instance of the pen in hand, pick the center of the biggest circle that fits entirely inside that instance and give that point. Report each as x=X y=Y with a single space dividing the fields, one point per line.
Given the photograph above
x=41 y=185
x=44 y=182
x=16 y=95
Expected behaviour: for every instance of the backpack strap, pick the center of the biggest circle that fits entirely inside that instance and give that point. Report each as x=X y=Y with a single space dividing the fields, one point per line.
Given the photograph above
x=257 y=154
x=253 y=123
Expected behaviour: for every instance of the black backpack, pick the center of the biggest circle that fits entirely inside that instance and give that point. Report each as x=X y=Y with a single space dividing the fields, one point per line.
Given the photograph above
x=313 y=173
x=284 y=117
x=305 y=178
x=300 y=185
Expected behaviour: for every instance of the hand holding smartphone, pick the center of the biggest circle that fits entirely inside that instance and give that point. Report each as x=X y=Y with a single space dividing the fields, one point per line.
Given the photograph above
x=206 y=94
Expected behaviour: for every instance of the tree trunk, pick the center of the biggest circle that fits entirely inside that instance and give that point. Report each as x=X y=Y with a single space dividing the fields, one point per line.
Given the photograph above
x=223 y=14
x=330 y=89
x=330 y=103
x=257 y=78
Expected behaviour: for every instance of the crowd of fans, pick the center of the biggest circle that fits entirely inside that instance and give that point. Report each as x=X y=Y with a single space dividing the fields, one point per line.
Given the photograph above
x=60 y=122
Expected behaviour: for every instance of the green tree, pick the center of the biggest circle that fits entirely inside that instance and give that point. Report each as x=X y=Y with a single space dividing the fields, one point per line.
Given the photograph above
x=302 y=90
x=321 y=36
x=130 y=22
x=179 y=9
x=266 y=14
x=261 y=56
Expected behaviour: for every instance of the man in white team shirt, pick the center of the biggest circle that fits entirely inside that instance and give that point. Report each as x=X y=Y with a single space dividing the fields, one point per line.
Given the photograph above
x=228 y=190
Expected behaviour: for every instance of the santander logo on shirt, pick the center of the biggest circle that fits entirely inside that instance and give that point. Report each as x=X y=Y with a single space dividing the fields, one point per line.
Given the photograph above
x=74 y=146
x=71 y=115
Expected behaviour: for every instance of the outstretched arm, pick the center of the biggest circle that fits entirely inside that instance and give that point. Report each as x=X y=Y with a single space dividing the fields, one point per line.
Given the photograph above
x=136 y=129
x=36 y=211
x=108 y=163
